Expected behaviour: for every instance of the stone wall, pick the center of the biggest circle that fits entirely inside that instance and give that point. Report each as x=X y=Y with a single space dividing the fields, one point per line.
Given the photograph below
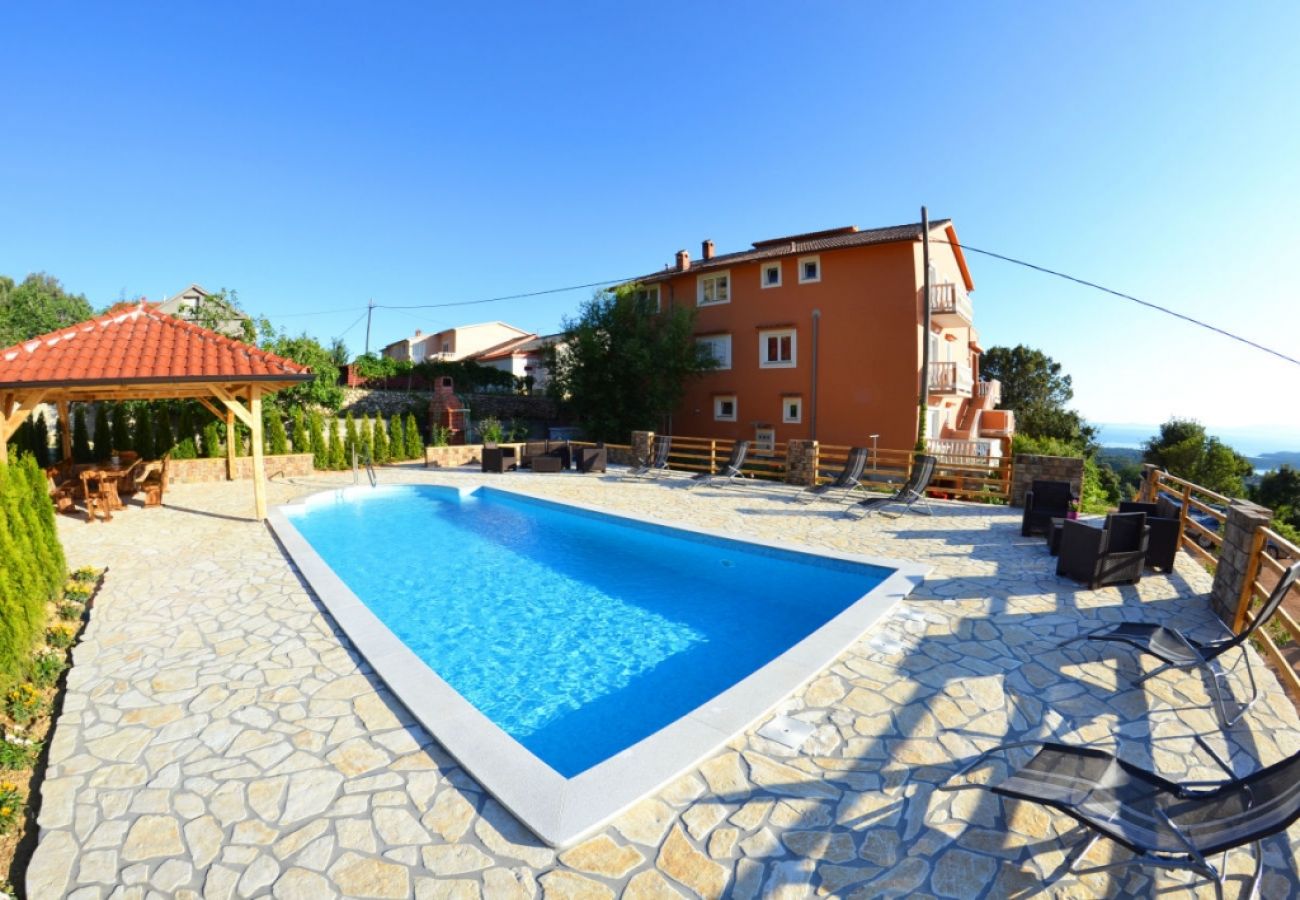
x=1244 y=519
x=1027 y=468
x=642 y=453
x=196 y=471
x=364 y=401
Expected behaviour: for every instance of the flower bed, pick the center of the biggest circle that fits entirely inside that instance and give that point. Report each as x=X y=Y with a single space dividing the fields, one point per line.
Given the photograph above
x=29 y=704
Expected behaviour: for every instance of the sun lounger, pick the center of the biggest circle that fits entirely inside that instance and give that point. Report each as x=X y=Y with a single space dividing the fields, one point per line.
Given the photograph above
x=844 y=484
x=910 y=494
x=729 y=471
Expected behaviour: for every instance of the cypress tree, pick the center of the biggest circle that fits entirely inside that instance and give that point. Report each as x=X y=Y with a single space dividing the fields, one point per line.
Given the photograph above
x=350 y=441
x=337 y=460
x=396 y=439
x=144 y=444
x=15 y=580
x=367 y=438
x=58 y=436
x=414 y=440
x=103 y=435
x=319 y=451
x=122 y=427
x=380 y=439
x=187 y=445
x=81 y=451
x=212 y=439
x=275 y=436
x=163 y=438
x=41 y=439
x=301 y=442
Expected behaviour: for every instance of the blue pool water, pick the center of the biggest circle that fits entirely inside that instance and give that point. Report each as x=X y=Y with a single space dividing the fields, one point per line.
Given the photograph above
x=577 y=633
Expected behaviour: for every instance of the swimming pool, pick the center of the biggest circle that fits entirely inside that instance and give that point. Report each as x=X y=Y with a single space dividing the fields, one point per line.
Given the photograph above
x=578 y=637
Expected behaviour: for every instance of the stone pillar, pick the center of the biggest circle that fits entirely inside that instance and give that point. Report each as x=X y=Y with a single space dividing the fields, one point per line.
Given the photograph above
x=1244 y=519
x=1027 y=468
x=643 y=448
x=801 y=460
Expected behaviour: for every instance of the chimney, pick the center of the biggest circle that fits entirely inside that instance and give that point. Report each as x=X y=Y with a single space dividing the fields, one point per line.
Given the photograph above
x=418 y=332
x=708 y=249
x=683 y=260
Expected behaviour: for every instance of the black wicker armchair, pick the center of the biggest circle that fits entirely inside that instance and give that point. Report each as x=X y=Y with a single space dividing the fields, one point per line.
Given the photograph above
x=1162 y=544
x=1101 y=556
x=1045 y=501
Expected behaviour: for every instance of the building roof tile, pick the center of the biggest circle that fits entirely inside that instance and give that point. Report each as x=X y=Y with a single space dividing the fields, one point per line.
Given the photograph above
x=136 y=345
x=799 y=244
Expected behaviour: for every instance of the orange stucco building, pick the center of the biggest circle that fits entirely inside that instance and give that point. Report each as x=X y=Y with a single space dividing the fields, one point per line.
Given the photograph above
x=821 y=335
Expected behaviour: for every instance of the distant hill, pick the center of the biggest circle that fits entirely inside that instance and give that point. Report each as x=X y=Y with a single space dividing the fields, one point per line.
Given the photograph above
x=1273 y=460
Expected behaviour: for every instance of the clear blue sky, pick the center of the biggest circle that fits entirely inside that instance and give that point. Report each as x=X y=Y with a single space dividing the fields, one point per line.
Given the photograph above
x=316 y=155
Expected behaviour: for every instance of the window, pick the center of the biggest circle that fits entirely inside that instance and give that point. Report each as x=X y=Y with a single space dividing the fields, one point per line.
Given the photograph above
x=713 y=289
x=719 y=346
x=776 y=349
x=771 y=275
x=810 y=269
x=724 y=408
x=764 y=440
x=446 y=346
x=792 y=410
x=418 y=349
x=647 y=298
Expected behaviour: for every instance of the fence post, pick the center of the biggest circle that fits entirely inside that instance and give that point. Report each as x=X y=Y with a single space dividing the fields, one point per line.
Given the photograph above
x=1148 y=491
x=713 y=455
x=643 y=448
x=1232 y=572
x=1182 y=514
x=1248 y=583
x=801 y=459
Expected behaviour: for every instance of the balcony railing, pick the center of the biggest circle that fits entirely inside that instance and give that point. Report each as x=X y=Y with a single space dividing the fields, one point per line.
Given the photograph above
x=948 y=300
x=950 y=378
x=990 y=392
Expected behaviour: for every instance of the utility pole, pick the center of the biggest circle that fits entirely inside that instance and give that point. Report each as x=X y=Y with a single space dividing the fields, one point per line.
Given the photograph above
x=370 y=311
x=924 y=402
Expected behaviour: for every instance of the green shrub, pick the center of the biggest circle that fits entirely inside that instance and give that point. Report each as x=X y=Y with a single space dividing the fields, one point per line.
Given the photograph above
x=187 y=442
x=490 y=430
x=164 y=440
x=47 y=666
x=337 y=462
x=11 y=806
x=414 y=442
x=350 y=440
x=60 y=635
x=86 y=575
x=367 y=437
x=301 y=442
x=24 y=702
x=70 y=611
x=441 y=435
x=380 y=439
x=19 y=756
x=144 y=444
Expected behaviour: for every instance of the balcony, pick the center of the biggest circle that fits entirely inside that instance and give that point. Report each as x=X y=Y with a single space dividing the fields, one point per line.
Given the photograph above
x=997 y=423
x=989 y=393
x=951 y=378
x=950 y=306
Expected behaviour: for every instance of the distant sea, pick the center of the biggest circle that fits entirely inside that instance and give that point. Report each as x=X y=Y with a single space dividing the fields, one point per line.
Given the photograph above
x=1268 y=446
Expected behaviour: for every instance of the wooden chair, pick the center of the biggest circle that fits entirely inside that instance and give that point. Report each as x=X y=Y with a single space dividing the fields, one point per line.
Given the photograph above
x=153 y=480
x=98 y=494
x=126 y=483
x=63 y=490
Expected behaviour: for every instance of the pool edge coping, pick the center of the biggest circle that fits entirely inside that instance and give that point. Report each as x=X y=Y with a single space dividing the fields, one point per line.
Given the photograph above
x=560 y=810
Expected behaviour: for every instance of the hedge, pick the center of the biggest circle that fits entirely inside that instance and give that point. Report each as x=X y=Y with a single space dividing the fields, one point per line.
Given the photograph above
x=32 y=567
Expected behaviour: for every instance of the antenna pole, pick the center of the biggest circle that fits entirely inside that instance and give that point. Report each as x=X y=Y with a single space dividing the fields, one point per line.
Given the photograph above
x=370 y=311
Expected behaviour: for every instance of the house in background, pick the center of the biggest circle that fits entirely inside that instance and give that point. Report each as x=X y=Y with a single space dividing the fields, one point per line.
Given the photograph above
x=821 y=335
x=188 y=303
x=522 y=357
x=453 y=344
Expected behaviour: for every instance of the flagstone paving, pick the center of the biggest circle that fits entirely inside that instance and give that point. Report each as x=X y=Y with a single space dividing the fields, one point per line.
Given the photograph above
x=221 y=739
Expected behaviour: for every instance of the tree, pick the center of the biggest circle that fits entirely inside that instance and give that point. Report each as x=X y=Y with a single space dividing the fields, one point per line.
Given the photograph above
x=1034 y=386
x=103 y=437
x=339 y=351
x=212 y=438
x=367 y=438
x=381 y=439
x=144 y=444
x=622 y=367
x=122 y=427
x=187 y=443
x=81 y=451
x=323 y=389
x=396 y=438
x=277 y=441
x=1279 y=488
x=350 y=440
x=38 y=305
x=319 y=448
x=414 y=442
x=1183 y=448
x=337 y=460
x=301 y=442
x=163 y=438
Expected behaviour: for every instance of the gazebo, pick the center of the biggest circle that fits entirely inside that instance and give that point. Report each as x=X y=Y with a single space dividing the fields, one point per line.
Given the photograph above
x=139 y=353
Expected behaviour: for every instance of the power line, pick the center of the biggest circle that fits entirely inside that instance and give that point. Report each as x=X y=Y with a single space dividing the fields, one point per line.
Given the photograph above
x=561 y=290
x=1092 y=284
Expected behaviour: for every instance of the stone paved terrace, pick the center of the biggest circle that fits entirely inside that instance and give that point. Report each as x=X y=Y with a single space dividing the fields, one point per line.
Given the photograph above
x=220 y=738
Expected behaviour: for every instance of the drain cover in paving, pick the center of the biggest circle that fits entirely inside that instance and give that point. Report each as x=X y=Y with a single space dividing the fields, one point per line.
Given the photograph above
x=786 y=731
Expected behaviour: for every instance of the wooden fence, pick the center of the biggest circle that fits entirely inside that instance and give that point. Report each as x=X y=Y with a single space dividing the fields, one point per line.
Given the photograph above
x=694 y=454
x=1264 y=566
x=978 y=478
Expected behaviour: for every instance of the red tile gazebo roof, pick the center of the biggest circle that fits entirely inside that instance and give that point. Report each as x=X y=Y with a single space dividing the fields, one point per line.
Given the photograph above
x=139 y=345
